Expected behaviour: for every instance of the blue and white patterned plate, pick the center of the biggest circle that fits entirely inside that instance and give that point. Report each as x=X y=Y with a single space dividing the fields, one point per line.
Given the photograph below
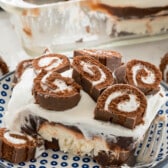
x=56 y=159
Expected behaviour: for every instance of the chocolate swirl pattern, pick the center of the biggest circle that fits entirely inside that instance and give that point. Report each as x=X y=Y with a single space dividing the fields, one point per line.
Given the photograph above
x=49 y=62
x=122 y=104
x=54 y=92
x=91 y=75
x=18 y=147
x=140 y=74
x=164 y=67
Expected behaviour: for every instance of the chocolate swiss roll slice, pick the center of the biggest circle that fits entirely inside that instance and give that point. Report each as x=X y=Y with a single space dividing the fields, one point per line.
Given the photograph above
x=18 y=147
x=21 y=67
x=93 y=76
x=55 y=92
x=47 y=62
x=3 y=67
x=164 y=67
x=121 y=104
x=109 y=58
x=141 y=74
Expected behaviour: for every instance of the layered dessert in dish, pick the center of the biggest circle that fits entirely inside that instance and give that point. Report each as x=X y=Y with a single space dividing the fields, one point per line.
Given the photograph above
x=102 y=22
x=134 y=16
x=83 y=110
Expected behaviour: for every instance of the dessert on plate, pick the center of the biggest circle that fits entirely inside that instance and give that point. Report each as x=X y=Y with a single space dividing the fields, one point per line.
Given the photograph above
x=134 y=17
x=83 y=110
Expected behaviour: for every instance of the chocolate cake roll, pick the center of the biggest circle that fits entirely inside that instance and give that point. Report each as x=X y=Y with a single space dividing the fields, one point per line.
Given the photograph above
x=164 y=67
x=21 y=67
x=17 y=147
x=93 y=76
x=141 y=74
x=55 y=92
x=109 y=58
x=3 y=67
x=121 y=104
x=47 y=62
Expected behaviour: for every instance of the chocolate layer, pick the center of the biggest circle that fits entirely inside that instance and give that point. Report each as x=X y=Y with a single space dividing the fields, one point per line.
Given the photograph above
x=128 y=11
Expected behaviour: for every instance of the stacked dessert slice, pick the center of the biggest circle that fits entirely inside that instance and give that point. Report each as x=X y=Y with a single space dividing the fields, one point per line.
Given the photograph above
x=83 y=110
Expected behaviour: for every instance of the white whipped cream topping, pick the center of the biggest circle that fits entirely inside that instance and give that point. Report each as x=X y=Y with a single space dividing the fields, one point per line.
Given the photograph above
x=47 y=62
x=81 y=116
x=87 y=67
x=149 y=79
x=12 y=139
x=127 y=106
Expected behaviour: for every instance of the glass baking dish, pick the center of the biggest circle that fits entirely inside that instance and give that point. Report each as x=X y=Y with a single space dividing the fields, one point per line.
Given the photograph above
x=64 y=26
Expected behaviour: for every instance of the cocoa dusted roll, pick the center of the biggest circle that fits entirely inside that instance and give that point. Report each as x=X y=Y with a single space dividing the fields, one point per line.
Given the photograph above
x=141 y=74
x=109 y=58
x=18 y=147
x=47 y=62
x=164 y=67
x=55 y=92
x=3 y=67
x=93 y=76
x=121 y=104
x=21 y=67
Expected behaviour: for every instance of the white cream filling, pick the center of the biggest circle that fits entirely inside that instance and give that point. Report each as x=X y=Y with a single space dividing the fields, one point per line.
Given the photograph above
x=61 y=85
x=82 y=116
x=87 y=67
x=12 y=139
x=47 y=61
x=127 y=106
x=149 y=79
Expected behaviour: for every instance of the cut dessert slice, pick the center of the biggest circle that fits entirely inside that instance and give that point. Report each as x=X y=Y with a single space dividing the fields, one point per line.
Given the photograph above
x=122 y=104
x=18 y=147
x=93 y=76
x=140 y=74
x=109 y=58
x=55 y=92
